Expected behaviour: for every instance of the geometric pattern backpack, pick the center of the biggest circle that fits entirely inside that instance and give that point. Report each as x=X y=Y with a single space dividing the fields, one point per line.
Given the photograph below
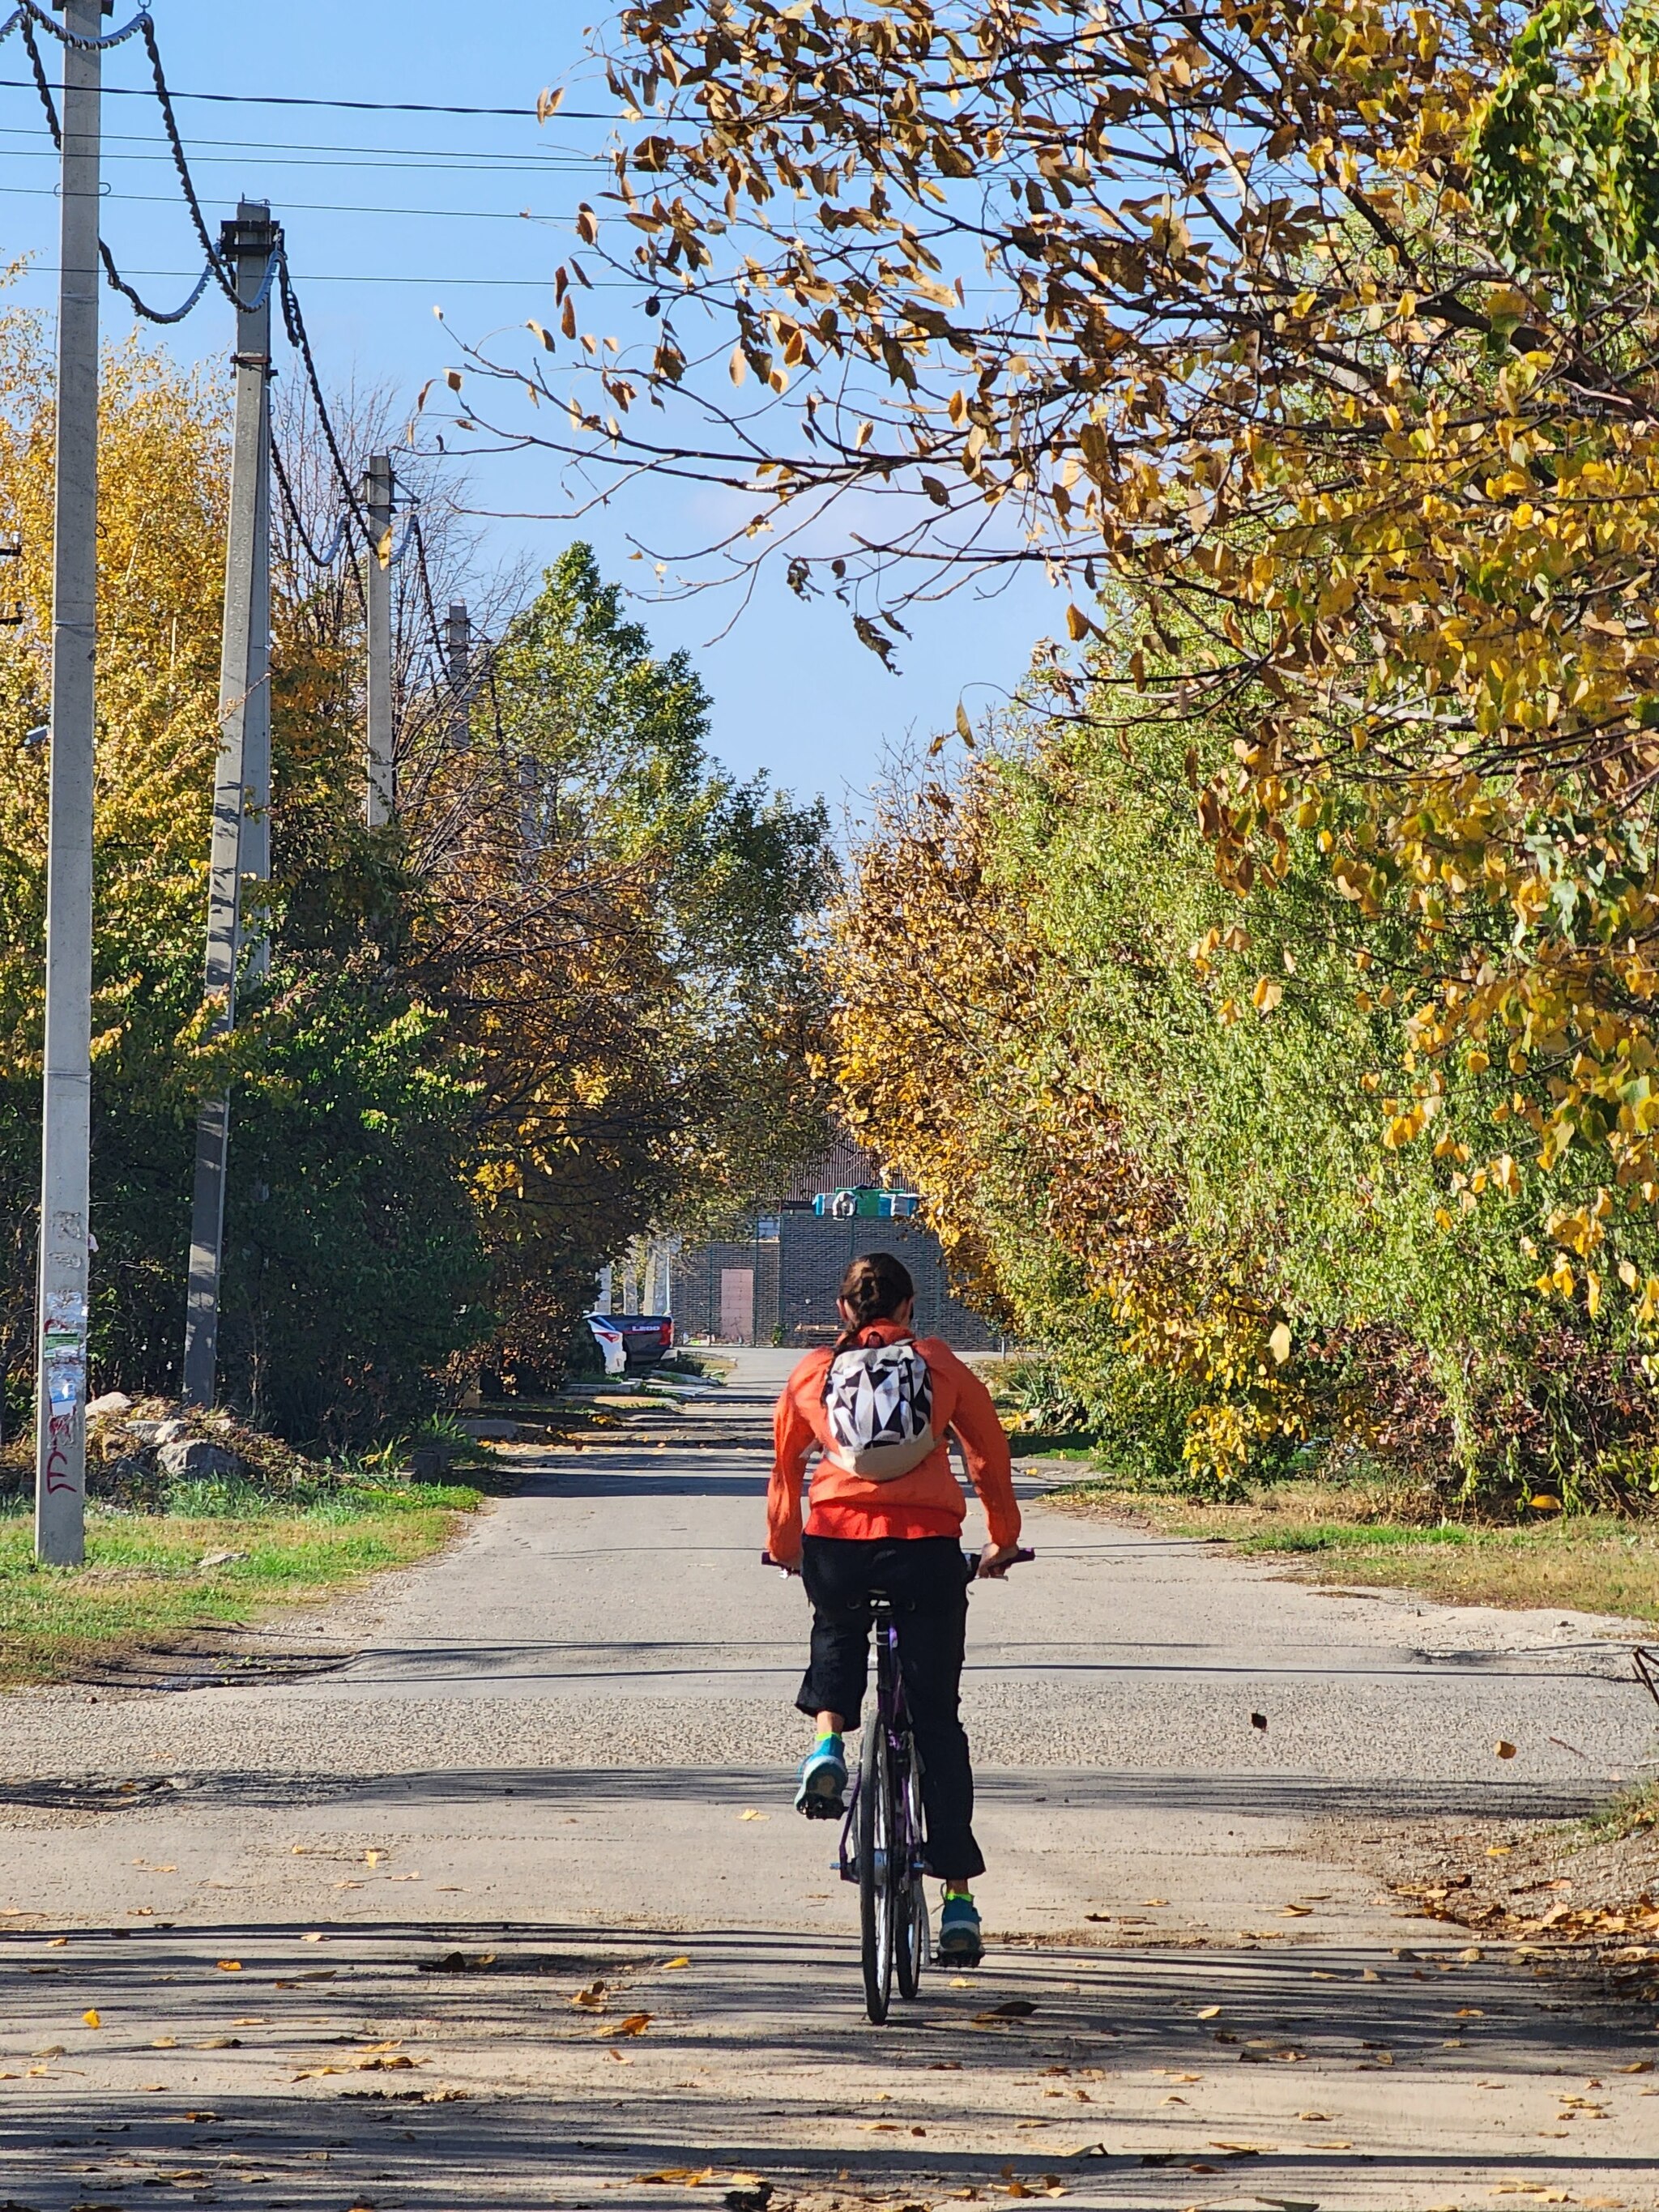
x=878 y=1401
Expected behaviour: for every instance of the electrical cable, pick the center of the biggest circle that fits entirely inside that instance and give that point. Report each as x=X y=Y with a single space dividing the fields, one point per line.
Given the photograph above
x=426 y=590
x=27 y=12
x=294 y=323
x=295 y=153
x=38 y=64
x=117 y=281
x=356 y=107
x=26 y=17
x=165 y=99
x=317 y=206
x=331 y=553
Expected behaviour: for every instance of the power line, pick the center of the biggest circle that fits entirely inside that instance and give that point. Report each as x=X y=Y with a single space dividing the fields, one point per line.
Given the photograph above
x=294 y=323
x=277 y=155
x=165 y=101
x=351 y=277
x=140 y=307
x=312 y=207
x=356 y=107
x=331 y=553
x=277 y=272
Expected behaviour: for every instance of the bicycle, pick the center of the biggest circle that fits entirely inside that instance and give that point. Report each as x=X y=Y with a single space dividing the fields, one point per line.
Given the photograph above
x=882 y=1843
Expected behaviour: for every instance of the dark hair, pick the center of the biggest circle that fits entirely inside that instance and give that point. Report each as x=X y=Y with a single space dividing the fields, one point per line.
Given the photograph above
x=875 y=1286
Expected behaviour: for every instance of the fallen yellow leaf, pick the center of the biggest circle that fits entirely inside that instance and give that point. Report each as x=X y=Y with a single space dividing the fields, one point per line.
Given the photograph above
x=1502 y=1750
x=91 y=2017
x=636 y=2024
x=1210 y=2012
x=228 y=1965
x=752 y=1816
x=669 y=1964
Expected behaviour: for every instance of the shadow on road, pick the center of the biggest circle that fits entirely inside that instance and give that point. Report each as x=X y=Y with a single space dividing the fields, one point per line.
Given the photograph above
x=537 y=2113
x=1271 y=1794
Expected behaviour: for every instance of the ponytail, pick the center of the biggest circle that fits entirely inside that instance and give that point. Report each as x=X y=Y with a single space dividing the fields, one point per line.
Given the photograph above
x=874 y=1287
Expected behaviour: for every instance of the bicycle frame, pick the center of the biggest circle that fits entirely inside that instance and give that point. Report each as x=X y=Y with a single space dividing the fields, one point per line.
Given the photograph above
x=891 y=1716
x=897 y=1938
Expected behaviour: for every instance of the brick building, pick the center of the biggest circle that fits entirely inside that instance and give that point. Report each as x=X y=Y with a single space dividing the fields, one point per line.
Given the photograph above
x=778 y=1285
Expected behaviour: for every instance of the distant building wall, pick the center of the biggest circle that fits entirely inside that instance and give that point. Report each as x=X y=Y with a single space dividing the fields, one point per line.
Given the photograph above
x=708 y=1290
x=814 y=1253
x=779 y=1286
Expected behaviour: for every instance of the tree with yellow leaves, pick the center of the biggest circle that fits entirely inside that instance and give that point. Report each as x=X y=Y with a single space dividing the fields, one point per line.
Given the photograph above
x=1326 y=326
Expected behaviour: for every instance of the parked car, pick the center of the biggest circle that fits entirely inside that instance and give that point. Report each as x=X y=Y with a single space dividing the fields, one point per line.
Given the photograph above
x=613 y=1349
x=645 y=1337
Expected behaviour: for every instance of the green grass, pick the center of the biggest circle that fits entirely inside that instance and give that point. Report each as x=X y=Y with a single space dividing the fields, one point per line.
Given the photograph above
x=1365 y=1535
x=142 y=1577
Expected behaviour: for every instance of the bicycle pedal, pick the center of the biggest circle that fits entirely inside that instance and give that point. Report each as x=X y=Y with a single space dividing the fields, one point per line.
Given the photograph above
x=825 y=1808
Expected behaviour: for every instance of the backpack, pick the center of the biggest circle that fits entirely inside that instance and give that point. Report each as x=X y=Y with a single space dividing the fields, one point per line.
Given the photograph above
x=878 y=1401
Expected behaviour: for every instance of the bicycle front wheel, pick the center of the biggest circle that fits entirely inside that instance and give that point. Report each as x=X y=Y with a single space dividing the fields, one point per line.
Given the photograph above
x=877 y=1887
x=910 y=1902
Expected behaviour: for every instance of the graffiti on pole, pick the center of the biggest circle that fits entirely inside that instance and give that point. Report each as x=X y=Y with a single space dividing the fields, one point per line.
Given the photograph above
x=65 y=1345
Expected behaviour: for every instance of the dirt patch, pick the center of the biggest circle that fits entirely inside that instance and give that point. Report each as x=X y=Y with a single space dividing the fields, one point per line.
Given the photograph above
x=1584 y=1892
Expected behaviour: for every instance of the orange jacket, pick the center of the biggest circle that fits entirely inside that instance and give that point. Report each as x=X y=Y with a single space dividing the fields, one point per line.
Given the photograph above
x=927 y=1501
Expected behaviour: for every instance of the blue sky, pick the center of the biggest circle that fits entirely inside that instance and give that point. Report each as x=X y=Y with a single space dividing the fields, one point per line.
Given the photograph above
x=388 y=216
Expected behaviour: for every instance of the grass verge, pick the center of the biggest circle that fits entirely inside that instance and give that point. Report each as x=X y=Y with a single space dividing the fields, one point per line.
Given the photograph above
x=1326 y=1533
x=145 y=1575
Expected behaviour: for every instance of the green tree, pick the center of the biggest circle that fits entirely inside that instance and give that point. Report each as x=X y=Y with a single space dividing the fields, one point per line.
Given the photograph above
x=614 y=927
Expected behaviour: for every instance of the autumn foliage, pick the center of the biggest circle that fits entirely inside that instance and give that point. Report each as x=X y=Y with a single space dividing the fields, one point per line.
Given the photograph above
x=1305 y=920
x=557 y=1004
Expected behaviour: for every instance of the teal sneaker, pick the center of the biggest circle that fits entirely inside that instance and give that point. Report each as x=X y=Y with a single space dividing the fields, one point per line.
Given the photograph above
x=960 y=1941
x=821 y=1784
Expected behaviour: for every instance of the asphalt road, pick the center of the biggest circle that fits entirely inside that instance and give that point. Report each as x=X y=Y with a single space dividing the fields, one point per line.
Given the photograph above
x=331 y=1923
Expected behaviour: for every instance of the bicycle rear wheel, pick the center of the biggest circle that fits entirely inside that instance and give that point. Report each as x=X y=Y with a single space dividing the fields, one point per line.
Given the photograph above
x=877 y=1893
x=910 y=1904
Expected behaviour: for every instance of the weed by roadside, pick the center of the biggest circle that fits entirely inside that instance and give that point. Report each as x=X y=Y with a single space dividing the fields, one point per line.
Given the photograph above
x=222 y=1550
x=1383 y=1536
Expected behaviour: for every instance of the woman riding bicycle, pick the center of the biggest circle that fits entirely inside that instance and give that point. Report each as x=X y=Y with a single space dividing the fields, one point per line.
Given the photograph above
x=886 y=1513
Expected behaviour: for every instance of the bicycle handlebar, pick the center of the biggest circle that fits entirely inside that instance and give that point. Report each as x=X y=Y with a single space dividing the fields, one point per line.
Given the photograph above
x=1021 y=1557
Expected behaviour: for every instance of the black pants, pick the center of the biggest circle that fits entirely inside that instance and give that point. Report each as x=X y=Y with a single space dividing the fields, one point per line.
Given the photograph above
x=927 y=1579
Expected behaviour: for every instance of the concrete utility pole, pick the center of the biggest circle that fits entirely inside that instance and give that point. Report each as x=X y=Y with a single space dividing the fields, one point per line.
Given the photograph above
x=256 y=236
x=66 y=1123
x=458 y=654
x=376 y=496
x=241 y=841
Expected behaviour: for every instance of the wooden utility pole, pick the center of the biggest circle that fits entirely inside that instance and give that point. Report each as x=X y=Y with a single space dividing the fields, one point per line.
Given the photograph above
x=60 y=1481
x=241 y=791
x=377 y=490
